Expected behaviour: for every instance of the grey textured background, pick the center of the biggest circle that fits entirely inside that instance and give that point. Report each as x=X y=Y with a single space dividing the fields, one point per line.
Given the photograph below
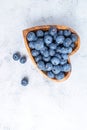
x=42 y=105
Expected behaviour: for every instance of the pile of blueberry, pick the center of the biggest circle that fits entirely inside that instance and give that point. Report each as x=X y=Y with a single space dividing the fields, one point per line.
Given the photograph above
x=50 y=50
x=22 y=59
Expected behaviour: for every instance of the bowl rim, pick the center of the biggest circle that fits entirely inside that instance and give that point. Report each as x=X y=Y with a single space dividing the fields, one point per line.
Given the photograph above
x=46 y=27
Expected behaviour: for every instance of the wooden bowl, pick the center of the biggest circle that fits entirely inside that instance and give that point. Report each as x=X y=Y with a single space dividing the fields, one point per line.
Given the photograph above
x=45 y=28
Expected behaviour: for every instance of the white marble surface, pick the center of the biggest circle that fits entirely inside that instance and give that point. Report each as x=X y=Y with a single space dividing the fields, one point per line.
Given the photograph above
x=42 y=105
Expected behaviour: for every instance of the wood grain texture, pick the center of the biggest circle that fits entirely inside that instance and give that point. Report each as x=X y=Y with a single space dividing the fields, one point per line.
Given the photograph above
x=45 y=28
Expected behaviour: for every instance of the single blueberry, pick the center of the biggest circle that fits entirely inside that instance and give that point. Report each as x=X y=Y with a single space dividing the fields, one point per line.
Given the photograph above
x=53 y=46
x=72 y=45
x=37 y=58
x=49 y=66
x=35 y=53
x=60 y=32
x=16 y=56
x=46 y=54
x=23 y=59
x=31 y=36
x=74 y=37
x=51 y=52
x=66 y=67
x=31 y=45
x=67 y=42
x=64 y=56
x=60 y=76
x=39 y=44
x=55 y=60
x=52 y=31
x=62 y=61
x=42 y=51
x=46 y=59
x=50 y=74
x=41 y=65
x=60 y=39
x=67 y=33
x=56 y=69
x=24 y=81
x=48 y=39
x=62 y=50
x=69 y=50
x=39 y=33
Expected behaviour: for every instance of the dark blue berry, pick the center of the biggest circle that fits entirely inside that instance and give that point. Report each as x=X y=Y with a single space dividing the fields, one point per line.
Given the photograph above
x=64 y=56
x=69 y=50
x=32 y=45
x=52 y=31
x=24 y=81
x=60 y=76
x=50 y=74
x=67 y=33
x=39 y=44
x=48 y=39
x=74 y=37
x=49 y=66
x=72 y=45
x=41 y=65
x=53 y=46
x=66 y=67
x=60 y=39
x=35 y=53
x=46 y=59
x=62 y=61
x=46 y=54
x=23 y=59
x=51 y=52
x=67 y=42
x=40 y=33
x=55 y=60
x=46 y=33
x=60 y=32
x=37 y=58
x=16 y=56
x=31 y=36
x=56 y=69
x=58 y=55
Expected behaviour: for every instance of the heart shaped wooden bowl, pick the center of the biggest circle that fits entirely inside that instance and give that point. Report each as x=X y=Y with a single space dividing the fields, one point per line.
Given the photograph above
x=45 y=28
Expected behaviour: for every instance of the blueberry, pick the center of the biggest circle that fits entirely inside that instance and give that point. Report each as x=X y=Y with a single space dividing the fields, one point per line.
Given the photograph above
x=60 y=76
x=31 y=36
x=72 y=45
x=51 y=52
x=48 y=39
x=60 y=39
x=55 y=36
x=62 y=50
x=60 y=32
x=23 y=59
x=42 y=51
x=62 y=61
x=46 y=33
x=49 y=66
x=16 y=56
x=46 y=59
x=52 y=31
x=67 y=33
x=67 y=42
x=40 y=33
x=46 y=54
x=56 y=69
x=53 y=46
x=66 y=67
x=37 y=58
x=41 y=65
x=58 y=55
x=39 y=44
x=55 y=60
x=64 y=56
x=24 y=81
x=35 y=53
x=74 y=37
x=69 y=50
x=50 y=74
x=31 y=45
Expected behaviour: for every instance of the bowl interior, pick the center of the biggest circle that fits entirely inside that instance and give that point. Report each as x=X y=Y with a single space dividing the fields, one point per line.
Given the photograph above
x=45 y=28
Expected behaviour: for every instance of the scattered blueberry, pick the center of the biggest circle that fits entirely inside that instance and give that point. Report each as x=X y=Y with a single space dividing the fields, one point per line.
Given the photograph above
x=49 y=66
x=23 y=59
x=50 y=74
x=31 y=36
x=40 y=33
x=16 y=56
x=24 y=81
x=35 y=53
x=52 y=31
x=67 y=33
x=67 y=42
x=48 y=39
x=55 y=60
x=74 y=37
x=60 y=76
x=41 y=65
x=56 y=69
x=60 y=39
